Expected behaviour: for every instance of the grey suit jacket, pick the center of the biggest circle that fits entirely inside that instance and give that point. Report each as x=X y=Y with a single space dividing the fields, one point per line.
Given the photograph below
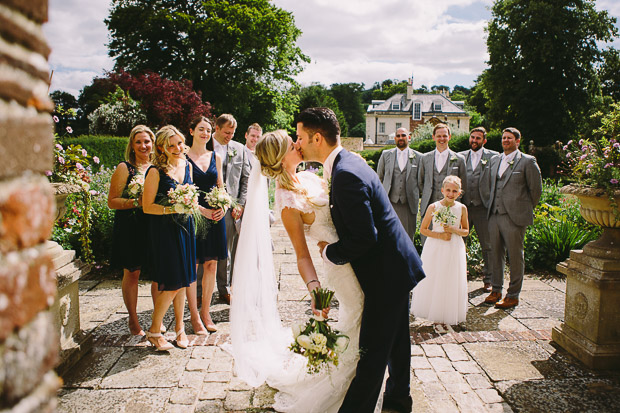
x=456 y=166
x=385 y=170
x=237 y=171
x=521 y=191
x=487 y=154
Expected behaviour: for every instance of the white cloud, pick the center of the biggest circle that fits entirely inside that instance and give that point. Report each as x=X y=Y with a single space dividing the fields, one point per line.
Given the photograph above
x=364 y=41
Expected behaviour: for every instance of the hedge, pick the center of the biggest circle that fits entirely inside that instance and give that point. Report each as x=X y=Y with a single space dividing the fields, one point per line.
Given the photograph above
x=109 y=149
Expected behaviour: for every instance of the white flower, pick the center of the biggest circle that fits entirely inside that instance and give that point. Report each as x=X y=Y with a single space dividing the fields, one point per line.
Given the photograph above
x=412 y=155
x=318 y=317
x=232 y=152
x=178 y=208
x=304 y=341
x=296 y=330
x=484 y=161
x=453 y=158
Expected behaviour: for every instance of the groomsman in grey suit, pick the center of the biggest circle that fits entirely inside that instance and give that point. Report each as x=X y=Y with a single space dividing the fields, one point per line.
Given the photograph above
x=398 y=172
x=512 y=183
x=236 y=170
x=436 y=165
x=476 y=160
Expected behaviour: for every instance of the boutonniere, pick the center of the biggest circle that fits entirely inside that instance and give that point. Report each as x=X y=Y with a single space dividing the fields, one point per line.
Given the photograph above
x=231 y=153
x=511 y=163
x=453 y=158
x=484 y=161
x=412 y=155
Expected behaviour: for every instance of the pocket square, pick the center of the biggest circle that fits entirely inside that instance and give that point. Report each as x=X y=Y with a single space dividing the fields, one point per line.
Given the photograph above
x=331 y=206
x=516 y=172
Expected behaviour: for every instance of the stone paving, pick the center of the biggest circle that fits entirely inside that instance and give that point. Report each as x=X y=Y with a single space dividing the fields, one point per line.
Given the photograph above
x=497 y=361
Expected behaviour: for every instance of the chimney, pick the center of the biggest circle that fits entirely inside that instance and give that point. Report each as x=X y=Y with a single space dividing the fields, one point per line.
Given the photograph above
x=410 y=89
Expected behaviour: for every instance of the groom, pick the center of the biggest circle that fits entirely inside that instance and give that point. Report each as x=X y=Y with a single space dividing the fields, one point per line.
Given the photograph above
x=374 y=242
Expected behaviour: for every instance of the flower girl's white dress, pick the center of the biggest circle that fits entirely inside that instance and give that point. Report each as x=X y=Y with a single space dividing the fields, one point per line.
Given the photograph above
x=442 y=296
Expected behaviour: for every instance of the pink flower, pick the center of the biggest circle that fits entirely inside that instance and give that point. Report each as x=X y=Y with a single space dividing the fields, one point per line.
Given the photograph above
x=613 y=181
x=95 y=159
x=608 y=165
x=69 y=129
x=582 y=157
x=569 y=142
x=79 y=166
x=56 y=119
x=48 y=173
x=59 y=147
x=61 y=160
x=617 y=145
x=84 y=153
x=93 y=192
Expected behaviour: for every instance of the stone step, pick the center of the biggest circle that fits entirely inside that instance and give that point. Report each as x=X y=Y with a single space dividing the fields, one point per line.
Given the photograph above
x=52 y=248
x=62 y=259
x=71 y=272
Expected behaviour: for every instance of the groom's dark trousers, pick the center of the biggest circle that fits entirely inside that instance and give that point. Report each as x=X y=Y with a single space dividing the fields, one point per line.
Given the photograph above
x=387 y=266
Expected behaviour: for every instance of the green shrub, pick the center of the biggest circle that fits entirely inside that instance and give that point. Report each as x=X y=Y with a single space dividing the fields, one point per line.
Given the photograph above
x=474 y=254
x=109 y=149
x=558 y=228
x=103 y=217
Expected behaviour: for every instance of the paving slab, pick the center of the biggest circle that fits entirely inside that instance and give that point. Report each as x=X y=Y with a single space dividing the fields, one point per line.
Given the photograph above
x=99 y=360
x=549 y=302
x=118 y=400
x=509 y=360
x=139 y=367
x=489 y=318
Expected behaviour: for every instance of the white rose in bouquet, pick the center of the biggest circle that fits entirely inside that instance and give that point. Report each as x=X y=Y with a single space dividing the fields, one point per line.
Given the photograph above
x=304 y=341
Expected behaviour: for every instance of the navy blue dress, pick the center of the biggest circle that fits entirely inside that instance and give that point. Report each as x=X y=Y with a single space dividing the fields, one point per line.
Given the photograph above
x=172 y=240
x=129 y=234
x=212 y=246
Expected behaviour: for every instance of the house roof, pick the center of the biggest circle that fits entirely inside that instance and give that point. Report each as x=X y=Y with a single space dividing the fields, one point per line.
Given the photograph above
x=426 y=99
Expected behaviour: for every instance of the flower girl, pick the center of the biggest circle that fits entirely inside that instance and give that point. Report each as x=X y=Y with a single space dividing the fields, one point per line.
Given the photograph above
x=442 y=296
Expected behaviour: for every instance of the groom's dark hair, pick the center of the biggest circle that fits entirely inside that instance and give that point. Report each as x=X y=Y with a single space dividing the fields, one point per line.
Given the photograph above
x=321 y=120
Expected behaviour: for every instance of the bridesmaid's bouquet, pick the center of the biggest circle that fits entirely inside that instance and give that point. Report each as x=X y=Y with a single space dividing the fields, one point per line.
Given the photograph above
x=444 y=216
x=219 y=198
x=136 y=186
x=184 y=199
x=316 y=340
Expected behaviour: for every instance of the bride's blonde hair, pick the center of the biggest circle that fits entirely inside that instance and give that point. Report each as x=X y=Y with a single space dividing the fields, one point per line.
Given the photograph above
x=270 y=151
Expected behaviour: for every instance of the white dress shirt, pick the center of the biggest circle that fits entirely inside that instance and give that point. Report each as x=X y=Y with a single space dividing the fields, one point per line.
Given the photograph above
x=474 y=158
x=505 y=163
x=440 y=159
x=327 y=174
x=220 y=149
x=403 y=154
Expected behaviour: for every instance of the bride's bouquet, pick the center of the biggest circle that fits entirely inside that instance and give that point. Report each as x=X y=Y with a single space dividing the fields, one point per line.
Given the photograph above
x=444 y=216
x=316 y=340
x=184 y=199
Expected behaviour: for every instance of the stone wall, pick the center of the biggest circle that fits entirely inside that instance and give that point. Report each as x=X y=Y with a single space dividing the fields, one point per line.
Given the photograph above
x=28 y=338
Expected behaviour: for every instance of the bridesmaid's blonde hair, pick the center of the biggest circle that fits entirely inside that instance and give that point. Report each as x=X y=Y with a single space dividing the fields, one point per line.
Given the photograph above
x=270 y=151
x=162 y=141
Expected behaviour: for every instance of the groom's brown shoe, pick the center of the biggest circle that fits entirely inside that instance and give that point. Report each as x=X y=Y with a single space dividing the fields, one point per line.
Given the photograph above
x=507 y=302
x=493 y=298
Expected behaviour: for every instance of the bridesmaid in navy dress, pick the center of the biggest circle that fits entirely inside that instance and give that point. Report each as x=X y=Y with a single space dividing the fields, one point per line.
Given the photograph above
x=207 y=167
x=130 y=224
x=172 y=240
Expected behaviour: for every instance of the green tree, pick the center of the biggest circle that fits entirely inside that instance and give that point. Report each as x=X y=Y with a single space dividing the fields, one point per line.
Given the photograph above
x=609 y=73
x=389 y=88
x=542 y=56
x=316 y=95
x=241 y=54
x=349 y=98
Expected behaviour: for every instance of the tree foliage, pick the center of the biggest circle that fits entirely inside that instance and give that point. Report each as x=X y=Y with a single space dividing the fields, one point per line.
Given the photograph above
x=610 y=74
x=349 y=98
x=241 y=54
x=542 y=56
x=316 y=95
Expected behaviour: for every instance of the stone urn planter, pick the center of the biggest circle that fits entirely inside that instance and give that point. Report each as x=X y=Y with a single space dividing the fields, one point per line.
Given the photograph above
x=66 y=309
x=591 y=328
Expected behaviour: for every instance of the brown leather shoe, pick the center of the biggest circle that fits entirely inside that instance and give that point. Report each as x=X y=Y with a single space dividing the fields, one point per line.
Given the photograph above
x=487 y=287
x=507 y=302
x=493 y=298
x=225 y=298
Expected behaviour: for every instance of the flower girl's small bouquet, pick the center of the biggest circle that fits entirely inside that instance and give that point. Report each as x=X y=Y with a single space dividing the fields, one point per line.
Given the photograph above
x=444 y=216
x=316 y=340
x=219 y=198
x=184 y=199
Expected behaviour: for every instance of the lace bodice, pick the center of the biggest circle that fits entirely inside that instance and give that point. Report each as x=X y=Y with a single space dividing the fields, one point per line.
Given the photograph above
x=322 y=229
x=456 y=209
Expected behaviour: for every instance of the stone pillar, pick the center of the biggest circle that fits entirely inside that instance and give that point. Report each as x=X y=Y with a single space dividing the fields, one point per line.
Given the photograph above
x=28 y=337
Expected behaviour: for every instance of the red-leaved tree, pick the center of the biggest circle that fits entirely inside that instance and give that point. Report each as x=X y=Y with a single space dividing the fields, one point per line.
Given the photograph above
x=165 y=102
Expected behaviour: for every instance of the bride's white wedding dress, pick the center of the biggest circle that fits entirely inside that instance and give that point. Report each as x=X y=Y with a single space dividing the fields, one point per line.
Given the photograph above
x=259 y=342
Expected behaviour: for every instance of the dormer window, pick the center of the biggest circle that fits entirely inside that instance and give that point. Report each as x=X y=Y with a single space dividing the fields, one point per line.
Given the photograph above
x=436 y=107
x=395 y=105
x=417 y=111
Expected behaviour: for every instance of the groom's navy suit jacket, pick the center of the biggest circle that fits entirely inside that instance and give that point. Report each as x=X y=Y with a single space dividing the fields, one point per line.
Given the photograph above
x=372 y=237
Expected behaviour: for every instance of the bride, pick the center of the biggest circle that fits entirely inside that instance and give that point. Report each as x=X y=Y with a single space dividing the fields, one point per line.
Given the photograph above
x=259 y=342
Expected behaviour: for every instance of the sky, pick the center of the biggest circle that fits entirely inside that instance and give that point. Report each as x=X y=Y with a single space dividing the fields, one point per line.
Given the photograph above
x=438 y=42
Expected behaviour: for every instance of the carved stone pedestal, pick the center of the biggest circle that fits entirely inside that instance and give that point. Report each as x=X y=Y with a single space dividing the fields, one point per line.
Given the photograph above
x=66 y=309
x=591 y=329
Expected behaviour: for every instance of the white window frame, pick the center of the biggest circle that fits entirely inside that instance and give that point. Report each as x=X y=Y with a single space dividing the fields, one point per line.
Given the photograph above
x=417 y=105
x=395 y=106
x=398 y=125
x=437 y=106
x=381 y=127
